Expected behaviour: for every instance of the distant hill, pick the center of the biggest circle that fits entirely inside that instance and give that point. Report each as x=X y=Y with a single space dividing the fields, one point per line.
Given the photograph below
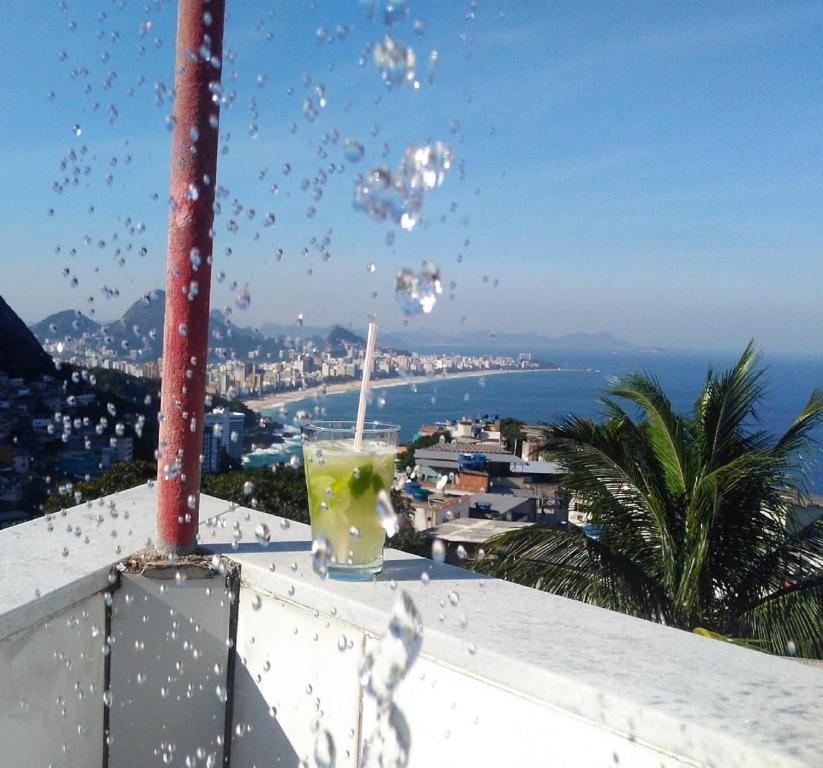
x=141 y=329
x=68 y=324
x=509 y=343
x=339 y=335
x=319 y=336
x=20 y=352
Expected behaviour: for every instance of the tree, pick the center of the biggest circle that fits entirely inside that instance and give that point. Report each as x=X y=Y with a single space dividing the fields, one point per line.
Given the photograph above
x=690 y=515
x=407 y=538
x=406 y=459
x=511 y=432
x=280 y=490
x=119 y=477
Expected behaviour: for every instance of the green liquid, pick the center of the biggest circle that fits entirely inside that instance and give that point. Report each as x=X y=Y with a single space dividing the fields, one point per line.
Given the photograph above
x=343 y=485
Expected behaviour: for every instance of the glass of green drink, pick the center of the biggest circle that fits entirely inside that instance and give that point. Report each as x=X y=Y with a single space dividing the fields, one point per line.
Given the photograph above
x=345 y=498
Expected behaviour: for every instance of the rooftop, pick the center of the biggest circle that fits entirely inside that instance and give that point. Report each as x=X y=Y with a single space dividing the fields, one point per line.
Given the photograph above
x=569 y=684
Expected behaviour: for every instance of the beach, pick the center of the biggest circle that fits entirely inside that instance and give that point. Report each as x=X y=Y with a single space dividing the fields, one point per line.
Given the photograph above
x=278 y=399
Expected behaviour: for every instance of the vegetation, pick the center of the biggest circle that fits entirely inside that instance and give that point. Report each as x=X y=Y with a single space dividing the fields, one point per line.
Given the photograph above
x=511 y=432
x=280 y=492
x=406 y=459
x=407 y=538
x=691 y=516
x=123 y=475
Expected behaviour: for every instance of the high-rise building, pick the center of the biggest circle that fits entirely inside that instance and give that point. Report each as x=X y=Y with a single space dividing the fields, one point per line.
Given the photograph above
x=222 y=429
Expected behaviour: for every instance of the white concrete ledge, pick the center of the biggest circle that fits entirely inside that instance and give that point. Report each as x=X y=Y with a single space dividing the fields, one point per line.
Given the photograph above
x=687 y=699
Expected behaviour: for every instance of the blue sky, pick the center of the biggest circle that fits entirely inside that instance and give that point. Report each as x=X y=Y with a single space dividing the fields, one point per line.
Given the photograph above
x=653 y=169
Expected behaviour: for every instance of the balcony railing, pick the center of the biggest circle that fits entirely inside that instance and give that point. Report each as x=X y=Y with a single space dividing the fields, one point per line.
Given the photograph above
x=246 y=664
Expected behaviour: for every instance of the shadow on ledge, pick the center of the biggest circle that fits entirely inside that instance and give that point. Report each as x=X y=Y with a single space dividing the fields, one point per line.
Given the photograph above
x=248 y=548
x=408 y=569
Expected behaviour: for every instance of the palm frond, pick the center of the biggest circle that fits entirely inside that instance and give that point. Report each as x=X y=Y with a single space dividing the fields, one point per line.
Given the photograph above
x=666 y=430
x=571 y=564
x=787 y=622
x=729 y=399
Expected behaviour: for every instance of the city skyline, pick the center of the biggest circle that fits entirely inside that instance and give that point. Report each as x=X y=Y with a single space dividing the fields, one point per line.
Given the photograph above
x=647 y=173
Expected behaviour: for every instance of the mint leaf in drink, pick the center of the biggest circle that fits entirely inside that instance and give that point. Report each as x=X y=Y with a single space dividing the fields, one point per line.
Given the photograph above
x=361 y=479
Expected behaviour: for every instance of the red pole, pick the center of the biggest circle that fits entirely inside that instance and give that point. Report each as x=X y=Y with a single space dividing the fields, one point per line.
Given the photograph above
x=198 y=65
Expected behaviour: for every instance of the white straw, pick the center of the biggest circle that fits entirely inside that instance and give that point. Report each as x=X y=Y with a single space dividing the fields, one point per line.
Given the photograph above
x=364 y=385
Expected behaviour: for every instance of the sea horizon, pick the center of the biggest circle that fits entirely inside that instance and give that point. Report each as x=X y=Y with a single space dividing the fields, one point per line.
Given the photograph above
x=549 y=394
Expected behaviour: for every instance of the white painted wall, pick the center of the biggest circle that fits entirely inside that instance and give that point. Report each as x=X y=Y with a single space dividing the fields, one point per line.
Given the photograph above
x=168 y=657
x=507 y=675
x=290 y=660
x=51 y=685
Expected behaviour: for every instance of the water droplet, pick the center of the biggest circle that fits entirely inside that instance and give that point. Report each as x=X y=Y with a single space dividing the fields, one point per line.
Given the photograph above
x=263 y=535
x=454 y=598
x=325 y=753
x=353 y=150
x=418 y=293
x=321 y=556
x=387 y=664
x=256 y=602
x=243 y=298
x=394 y=11
x=342 y=643
x=461 y=552
x=438 y=551
x=386 y=514
x=192 y=501
x=395 y=62
x=222 y=694
x=248 y=487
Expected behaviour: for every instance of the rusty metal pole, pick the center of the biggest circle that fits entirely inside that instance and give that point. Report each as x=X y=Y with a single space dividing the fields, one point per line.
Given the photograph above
x=198 y=65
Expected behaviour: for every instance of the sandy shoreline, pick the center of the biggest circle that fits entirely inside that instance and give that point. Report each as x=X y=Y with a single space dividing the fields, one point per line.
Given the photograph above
x=285 y=398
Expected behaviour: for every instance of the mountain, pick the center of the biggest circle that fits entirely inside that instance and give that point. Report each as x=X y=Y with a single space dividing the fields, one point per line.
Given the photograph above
x=140 y=329
x=479 y=342
x=68 y=324
x=20 y=352
x=275 y=330
x=320 y=336
x=338 y=335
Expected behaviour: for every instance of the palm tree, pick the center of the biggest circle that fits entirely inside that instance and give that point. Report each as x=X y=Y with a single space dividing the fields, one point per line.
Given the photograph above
x=691 y=515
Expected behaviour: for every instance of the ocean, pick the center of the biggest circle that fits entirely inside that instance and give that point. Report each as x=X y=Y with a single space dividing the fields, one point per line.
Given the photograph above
x=545 y=395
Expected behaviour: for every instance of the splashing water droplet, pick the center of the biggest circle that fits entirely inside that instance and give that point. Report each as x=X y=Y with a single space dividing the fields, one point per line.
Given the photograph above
x=383 y=668
x=325 y=753
x=353 y=151
x=418 y=293
x=248 y=487
x=395 y=62
x=386 y=514
x=438 y=551
x=394 y=11
x=263 y=535
x=321 y=556
x=243 y=298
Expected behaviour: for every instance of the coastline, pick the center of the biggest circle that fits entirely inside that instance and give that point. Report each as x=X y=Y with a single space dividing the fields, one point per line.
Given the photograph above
x=281 y=399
